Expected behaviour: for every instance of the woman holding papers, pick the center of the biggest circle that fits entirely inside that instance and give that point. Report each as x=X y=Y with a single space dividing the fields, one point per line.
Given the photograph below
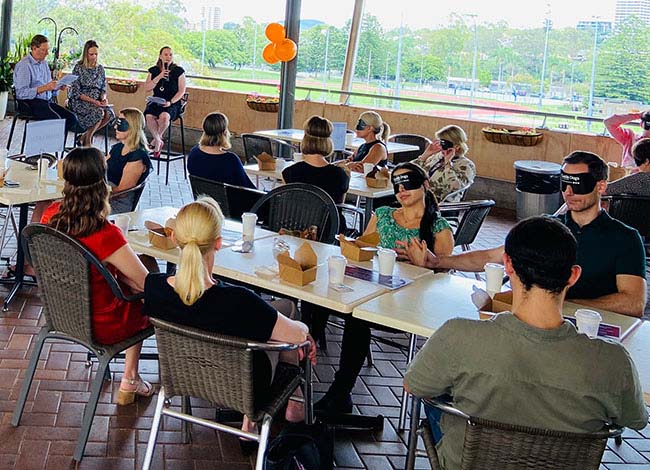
x=167 y=81
x=87 y=94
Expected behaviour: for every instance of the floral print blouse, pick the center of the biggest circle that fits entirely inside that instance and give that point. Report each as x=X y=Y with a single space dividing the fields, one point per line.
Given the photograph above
x=447 y=178
x=390 y=231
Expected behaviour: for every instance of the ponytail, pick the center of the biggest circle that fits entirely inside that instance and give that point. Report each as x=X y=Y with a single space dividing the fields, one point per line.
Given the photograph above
x=190 y=276
x=429 y=218
x=384 y=132
x=198 y=226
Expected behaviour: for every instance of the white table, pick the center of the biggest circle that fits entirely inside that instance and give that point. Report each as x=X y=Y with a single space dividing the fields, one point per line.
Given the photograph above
x=358 y=185
x=242 y=266
x=424 y=306
x=296 y=135
x=32 y=189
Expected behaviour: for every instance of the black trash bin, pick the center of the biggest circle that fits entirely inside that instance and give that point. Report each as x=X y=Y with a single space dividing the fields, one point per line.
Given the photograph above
x=538 y=187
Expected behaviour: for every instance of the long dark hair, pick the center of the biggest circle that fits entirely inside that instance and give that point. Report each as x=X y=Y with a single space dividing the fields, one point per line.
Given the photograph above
x=159 y=63
x=85 y=206
x=431 y=212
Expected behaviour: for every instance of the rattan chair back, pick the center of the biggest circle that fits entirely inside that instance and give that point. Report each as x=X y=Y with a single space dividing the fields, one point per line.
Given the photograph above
x=410 y=139
x=134 y=194
x=255 y=144
x=632 y=210
x=297 y=206
x=214 y=189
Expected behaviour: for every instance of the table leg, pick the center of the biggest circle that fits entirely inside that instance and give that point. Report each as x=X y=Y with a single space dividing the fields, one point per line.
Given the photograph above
x=20 y=258
x=416 y=404
x=404 y=406
x=368 y=211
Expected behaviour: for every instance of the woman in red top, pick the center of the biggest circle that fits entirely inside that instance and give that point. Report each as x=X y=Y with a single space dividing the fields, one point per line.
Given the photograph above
x=82 y=214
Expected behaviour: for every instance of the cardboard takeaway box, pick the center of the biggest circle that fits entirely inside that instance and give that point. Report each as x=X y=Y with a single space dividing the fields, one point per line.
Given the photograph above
x=488 y=307
x=265 y=162
x=378 y=178
x=301 y=269
x=160 y=236
x=354 y=249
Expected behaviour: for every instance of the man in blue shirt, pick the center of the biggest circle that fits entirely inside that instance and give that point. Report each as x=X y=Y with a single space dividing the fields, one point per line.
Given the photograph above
x=35 y=87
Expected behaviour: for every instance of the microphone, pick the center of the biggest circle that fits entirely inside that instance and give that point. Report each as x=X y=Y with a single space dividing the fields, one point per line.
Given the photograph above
x=166 y=67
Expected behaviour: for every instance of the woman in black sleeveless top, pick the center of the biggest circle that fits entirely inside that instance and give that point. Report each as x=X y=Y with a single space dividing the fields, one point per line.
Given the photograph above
x=372 y=128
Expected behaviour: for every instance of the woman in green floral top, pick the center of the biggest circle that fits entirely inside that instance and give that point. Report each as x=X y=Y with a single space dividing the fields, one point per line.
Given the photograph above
x=417 y=217
x=446 y=165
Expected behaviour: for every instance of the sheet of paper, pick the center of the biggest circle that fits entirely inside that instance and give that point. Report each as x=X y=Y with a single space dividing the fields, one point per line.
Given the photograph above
x=67 y=80
x=45 y=136
x=338 y=135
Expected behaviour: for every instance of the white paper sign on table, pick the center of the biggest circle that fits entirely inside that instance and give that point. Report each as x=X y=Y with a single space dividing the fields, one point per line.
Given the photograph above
x=45 y=136
x=338 y=135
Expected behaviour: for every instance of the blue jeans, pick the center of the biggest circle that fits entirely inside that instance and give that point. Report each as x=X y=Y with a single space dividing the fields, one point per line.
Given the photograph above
x=433 y=415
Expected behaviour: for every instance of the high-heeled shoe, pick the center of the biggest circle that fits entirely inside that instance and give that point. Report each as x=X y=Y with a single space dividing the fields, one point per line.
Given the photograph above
x=127 y=396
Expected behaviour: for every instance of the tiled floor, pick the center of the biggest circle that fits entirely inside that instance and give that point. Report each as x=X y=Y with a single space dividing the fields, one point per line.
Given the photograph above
x=46 y=436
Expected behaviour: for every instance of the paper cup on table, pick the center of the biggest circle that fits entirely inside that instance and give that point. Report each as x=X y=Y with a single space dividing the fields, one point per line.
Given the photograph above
x=279 y=164
x=493 y=278
x=588 y=321
x=386 y=261
x=336 y=269
x=349 y=138
x=249 y=220
x=297 y=157
x=367 y=168
x=122 y=222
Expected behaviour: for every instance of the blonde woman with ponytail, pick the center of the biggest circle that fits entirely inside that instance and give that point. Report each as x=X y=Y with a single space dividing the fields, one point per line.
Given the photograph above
x=371 y=128
x=193 y=298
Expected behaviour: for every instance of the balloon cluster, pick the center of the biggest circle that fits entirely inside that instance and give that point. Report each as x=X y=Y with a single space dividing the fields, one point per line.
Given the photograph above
x=281 y=48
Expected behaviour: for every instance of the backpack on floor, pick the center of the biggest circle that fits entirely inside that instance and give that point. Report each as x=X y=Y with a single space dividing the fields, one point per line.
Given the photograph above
x=301 y=447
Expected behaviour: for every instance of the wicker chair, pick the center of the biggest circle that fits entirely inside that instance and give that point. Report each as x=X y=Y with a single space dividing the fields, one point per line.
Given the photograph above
x=169 y=156
x=412 y=139
x=490 y=444
x=632 y=210
x=256 y=144
x=297 y=206
x=219 y=369
x=234 y=200
x=63 y=266
x=133 y=195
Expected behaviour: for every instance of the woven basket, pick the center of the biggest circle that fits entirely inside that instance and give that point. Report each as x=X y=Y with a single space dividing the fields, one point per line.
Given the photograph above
x=507 y=138
x=263 y=107
x=123 y=88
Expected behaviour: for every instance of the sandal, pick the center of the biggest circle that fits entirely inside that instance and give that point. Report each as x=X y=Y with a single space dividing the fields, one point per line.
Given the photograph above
x=10 y=273
x=136 y=387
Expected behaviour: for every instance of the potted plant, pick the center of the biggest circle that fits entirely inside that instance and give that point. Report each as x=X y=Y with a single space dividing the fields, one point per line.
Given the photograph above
x=6 y=81
x=21 y=49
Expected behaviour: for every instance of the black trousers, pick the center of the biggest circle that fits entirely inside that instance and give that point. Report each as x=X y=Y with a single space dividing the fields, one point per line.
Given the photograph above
x=44 y=110
x=354 y=347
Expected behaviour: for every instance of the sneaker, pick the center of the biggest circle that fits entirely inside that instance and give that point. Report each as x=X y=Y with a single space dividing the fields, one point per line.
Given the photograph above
x=330 y=404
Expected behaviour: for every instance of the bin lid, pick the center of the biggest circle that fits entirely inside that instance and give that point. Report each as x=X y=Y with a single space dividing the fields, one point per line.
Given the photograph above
x=538 y=166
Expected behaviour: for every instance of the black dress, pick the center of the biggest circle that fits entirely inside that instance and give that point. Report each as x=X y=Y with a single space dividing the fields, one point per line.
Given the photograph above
x=165 y=89
x=364 y=149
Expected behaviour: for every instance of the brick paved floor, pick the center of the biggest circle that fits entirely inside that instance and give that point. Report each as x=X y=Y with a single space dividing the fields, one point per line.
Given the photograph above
x=50 y=424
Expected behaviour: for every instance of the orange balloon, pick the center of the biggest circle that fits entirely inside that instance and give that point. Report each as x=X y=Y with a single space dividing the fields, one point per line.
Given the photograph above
x=268 y=54
x=275 y=32
x=286 y=50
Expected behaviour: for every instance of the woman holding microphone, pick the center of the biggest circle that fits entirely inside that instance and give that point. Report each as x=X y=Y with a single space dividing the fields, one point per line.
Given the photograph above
x=167 y=81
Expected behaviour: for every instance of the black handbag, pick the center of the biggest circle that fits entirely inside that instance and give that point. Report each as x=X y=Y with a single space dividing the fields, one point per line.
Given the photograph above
x=302 y=447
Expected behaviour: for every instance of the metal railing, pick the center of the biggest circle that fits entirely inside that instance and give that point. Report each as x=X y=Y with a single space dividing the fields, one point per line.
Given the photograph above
x=545 y=115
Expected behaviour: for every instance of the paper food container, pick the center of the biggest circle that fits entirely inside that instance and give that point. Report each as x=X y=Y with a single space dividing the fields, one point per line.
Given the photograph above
x=160 y=236
x=301 y=269
x=488 y=307
x=352 y=249
x=265 y=162
x=378 y=178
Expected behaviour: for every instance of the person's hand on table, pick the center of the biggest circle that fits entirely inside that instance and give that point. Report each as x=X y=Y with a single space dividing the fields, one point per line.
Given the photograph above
x=355 y=166
x=415 y=251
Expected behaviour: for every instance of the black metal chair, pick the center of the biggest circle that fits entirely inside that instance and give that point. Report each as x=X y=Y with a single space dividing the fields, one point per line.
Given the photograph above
x=234 y=200
x=255 y=144
x=22 y=112
x=169 y=157
x=632 y=210
x=491 y=444
x=128 y=195
x=411 y=139
x=472 y=214
x=297 y=206
x=219 y=369
x=63 y=266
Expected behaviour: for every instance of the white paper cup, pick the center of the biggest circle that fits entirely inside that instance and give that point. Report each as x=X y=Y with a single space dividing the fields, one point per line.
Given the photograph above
x=297 y=157
x=493 y=278
x=336 y=269
x=123 y=221
x=249 y=220
x=349 y=138
x=279 y=164
x=386 y=261
x=588 y=321
x=367 y=168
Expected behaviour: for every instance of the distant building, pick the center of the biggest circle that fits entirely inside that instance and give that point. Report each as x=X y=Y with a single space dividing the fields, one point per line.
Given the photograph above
x=604 y=27
x=203 y=15
x=627 y=8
